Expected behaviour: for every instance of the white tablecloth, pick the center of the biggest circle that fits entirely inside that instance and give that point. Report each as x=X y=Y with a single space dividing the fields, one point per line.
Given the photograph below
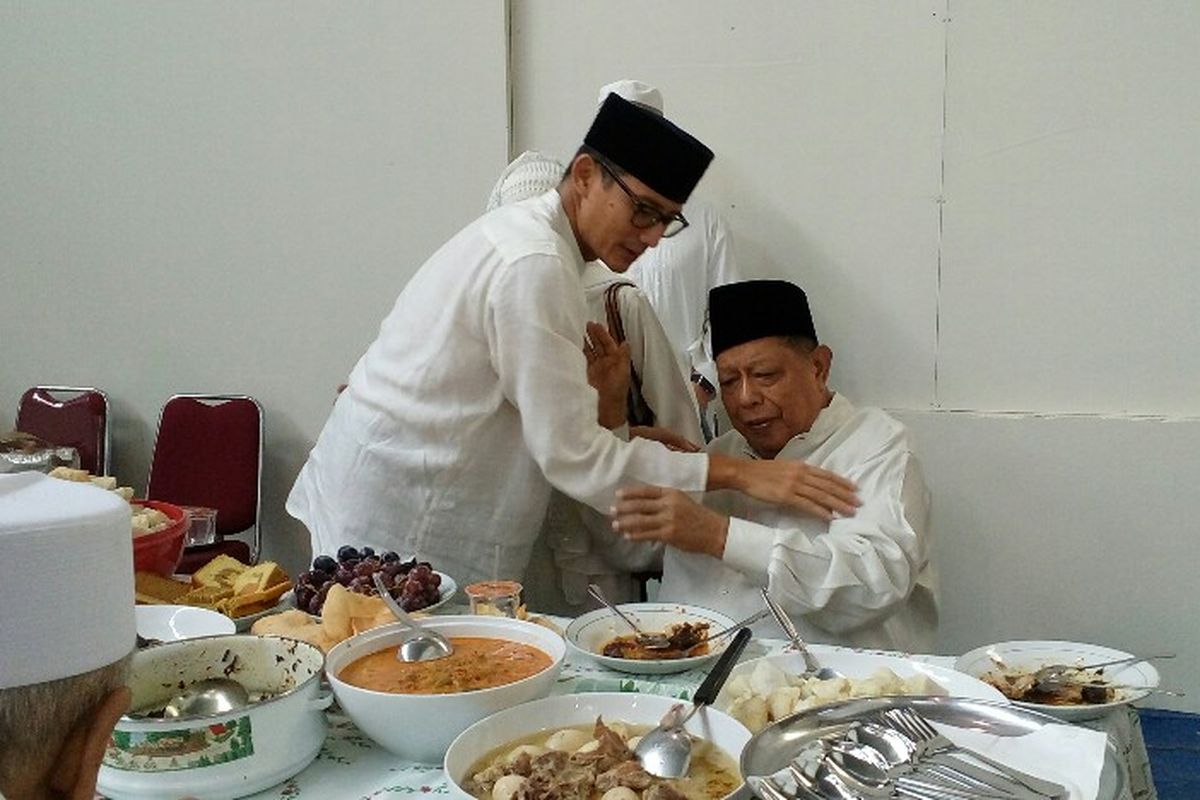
x=352 y=766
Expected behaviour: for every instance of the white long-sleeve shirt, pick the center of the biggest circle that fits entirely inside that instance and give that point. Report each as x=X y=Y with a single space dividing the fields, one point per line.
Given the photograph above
x=578 y=545
x=865 y=581
x=470 y=404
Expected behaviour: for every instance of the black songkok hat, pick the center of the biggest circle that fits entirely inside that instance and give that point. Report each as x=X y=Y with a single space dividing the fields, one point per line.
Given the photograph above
x=742 y=312
x=649 y=147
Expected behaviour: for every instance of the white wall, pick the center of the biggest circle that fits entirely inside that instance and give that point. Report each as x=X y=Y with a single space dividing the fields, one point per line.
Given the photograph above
x=992 y=205
x=228 y=196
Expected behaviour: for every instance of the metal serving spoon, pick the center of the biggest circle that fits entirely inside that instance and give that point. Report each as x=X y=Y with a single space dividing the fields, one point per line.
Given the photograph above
x=812 y=667
x=666 y=751
x=206 y=698
x=651 y=641
x=419 y=643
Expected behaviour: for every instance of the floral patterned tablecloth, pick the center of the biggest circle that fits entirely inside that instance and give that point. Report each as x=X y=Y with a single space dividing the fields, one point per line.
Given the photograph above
x=352 y=767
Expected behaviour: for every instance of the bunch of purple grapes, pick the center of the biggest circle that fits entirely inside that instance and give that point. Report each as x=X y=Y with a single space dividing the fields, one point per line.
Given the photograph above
x=412 y=583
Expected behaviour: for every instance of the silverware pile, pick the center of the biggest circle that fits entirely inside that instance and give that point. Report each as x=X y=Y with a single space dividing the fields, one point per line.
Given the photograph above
x=898 y=754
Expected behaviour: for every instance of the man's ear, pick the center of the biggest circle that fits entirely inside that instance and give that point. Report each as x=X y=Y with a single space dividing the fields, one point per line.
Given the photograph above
x=584 y=171
x=822 y=357
x=75 y=770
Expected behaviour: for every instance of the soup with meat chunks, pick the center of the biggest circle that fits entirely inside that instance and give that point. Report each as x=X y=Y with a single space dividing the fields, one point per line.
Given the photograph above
x=595 y=763
x=476 y=663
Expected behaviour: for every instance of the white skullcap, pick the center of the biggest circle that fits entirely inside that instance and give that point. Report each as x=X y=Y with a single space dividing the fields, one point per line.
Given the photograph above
x=529 y=175
x=66 y=598
x=643 y=94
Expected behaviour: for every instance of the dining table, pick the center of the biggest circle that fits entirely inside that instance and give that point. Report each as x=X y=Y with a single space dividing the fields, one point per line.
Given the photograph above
x=352 y=767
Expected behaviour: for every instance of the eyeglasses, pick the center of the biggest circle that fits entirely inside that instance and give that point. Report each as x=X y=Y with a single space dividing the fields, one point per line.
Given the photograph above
x=646 y=215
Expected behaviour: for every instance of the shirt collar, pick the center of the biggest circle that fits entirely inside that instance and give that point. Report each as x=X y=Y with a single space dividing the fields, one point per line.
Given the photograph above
x=562 y=225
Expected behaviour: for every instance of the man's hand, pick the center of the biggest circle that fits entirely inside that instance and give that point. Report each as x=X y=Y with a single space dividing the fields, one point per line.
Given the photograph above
x=607 y=373
x=817 y=491
x=670 y=438
x=669 y=516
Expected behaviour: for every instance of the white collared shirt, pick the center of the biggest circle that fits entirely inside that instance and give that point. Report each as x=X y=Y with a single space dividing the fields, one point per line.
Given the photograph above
x=866 y=580
x=470 y=404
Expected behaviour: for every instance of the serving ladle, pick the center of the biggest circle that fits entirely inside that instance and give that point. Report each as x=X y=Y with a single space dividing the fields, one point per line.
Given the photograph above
x=419 y=643
x=666 y=751
x=206 y=698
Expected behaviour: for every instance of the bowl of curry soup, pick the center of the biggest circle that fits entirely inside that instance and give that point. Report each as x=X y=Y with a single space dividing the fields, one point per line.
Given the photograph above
x=557 y=747
x=416 y=709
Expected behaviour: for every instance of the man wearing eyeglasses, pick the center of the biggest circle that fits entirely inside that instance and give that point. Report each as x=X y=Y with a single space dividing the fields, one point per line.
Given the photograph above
x=475 y=399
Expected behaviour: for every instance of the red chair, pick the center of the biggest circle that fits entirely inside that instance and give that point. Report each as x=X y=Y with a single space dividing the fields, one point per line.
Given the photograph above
x=208 y=452
x=70 y=416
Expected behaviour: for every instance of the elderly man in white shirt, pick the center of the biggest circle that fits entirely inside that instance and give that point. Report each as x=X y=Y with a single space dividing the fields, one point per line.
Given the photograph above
x=866 y=580
x=474 y=400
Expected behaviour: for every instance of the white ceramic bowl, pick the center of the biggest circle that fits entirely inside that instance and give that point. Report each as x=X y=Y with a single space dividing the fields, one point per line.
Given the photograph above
x=1031 y=655
x=571 y=710
x=588 y=633
x=172 y=623
x=419 y=727
x=223 y=755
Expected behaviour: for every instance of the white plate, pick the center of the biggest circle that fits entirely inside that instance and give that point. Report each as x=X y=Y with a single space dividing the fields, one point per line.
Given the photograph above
x=857 y=665
x=286 y=601
x=588 y=633
x=172 y=623
x=1035 y=654
x=446 y=590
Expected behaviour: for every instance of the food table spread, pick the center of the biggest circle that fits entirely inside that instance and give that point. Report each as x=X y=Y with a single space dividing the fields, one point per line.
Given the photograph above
x=352 y=766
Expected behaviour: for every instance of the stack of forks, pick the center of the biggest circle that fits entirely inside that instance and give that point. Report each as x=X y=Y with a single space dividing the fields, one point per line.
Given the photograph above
x=898 y=755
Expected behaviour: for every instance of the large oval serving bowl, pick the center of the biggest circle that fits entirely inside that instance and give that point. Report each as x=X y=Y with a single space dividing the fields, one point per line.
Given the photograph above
x=572 y=710
x=420 y=726
x=224 y=755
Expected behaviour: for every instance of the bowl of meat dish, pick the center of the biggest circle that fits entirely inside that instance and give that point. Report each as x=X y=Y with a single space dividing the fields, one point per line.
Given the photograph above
x=416 y=709
x=580 y=746
x=225 y=754
x=604 y=637
x=1082 y=694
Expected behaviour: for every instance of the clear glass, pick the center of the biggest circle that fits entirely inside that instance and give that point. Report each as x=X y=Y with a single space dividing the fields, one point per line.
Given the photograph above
x=495 y=598
x=203 y=526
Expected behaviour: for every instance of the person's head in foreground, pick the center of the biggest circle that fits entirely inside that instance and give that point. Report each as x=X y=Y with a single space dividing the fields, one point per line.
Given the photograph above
x=772 y=370
x=68 y=632
x=626 y=186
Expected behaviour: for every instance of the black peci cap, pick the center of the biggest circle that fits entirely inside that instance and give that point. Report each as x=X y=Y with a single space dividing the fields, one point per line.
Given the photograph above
x=649 y=147
x=742 y=312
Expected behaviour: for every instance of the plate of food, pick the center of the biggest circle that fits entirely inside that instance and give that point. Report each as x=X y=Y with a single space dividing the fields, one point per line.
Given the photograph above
x=768 y=689
x=414 y=584
x=602 y=635
x=239 y=591
x=1074 y=692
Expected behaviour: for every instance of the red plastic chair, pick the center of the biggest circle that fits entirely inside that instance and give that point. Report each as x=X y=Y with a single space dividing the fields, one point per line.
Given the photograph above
x=208 y=452
x=70 y=416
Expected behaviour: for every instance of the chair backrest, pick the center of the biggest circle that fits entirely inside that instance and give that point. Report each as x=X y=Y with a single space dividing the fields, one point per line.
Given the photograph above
x=71 y=416
x=208 y=452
